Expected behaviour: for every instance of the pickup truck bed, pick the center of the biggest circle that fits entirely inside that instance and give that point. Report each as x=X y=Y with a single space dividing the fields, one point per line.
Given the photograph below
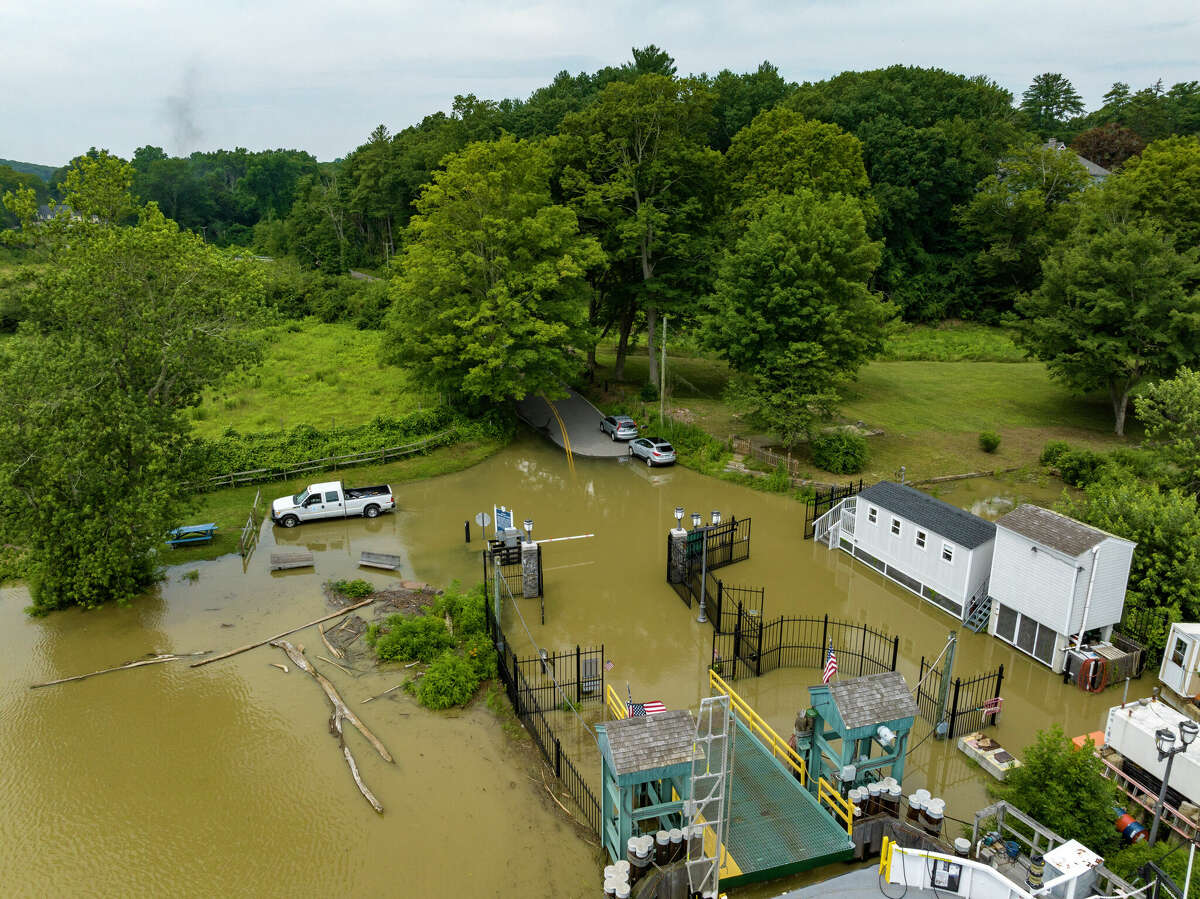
x=364 y=492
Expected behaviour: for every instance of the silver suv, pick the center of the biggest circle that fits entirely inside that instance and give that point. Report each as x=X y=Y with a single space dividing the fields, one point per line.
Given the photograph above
x=619 y=427
x=654 y=450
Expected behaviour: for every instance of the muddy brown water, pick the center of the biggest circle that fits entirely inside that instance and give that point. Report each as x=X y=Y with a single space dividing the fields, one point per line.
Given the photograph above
x=224 y=780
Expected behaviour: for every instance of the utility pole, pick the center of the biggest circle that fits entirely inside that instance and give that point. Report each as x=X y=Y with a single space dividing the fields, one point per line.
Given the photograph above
x=947 y=671
x=662 y=372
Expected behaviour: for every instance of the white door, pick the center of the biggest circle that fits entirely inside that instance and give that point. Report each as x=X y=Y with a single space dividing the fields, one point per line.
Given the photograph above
x=1174 y=666
x=313 y=508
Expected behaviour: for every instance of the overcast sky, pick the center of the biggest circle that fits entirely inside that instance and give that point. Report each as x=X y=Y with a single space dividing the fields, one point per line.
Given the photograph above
x=320 y=75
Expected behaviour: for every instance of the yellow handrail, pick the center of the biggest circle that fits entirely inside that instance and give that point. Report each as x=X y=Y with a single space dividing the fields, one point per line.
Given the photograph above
x=780 y=749
x=885 y=857
x=615 y=705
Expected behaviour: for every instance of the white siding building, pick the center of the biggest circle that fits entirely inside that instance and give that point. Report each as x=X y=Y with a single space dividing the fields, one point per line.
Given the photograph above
x=1054 y=581
x=1180 y=669
x=938 y=551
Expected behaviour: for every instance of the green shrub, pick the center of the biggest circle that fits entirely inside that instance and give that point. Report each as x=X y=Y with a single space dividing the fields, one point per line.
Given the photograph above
x=355 y=589
x=1080 y=467
x=1054 y=450
x=989 y=441
x=779 y=480
x=420 y=638
x=648 y=393
x=451 y=680
x=480 y=652
x=840 y=452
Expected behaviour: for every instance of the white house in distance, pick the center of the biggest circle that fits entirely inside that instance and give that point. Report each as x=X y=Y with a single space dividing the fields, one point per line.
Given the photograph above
x=1180 y=670
x=1055 y=582
x=938 y=551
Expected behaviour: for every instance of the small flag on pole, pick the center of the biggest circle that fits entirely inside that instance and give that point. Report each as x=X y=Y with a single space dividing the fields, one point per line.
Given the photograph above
x=830 y=665
x=641 y=709
x=608 y=665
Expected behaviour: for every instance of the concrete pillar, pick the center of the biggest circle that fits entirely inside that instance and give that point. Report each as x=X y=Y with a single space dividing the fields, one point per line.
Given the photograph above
x=677 y=564
x=530 y=582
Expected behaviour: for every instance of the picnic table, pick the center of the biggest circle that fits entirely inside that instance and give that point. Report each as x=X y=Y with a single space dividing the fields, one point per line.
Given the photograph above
x=192 y=533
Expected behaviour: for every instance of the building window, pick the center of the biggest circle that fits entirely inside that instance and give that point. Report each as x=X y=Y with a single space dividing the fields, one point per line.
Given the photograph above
x=1179 y=652
x=872 y=514
x=947 y=552
x=920 y=539
x=896 y=526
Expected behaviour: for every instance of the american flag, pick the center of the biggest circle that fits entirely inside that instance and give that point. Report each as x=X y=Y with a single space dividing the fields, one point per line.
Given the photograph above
x=609 y=665
x=830 y=666
x=641 y=709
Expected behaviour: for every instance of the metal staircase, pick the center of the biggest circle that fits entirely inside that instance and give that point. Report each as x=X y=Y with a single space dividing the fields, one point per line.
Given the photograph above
x=980 y=613
x=707 y=809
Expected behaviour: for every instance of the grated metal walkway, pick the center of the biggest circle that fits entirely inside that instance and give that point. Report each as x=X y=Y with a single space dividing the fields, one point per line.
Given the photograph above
x=776 y=827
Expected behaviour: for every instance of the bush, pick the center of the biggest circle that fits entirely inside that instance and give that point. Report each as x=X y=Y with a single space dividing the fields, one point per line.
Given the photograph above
x=989 y=441
x=355 y=589
x=420 y=638
x=1053 y=451
x=779 y=480
x=451 y=680
x=840 y=452
x=648 y=393
x=1080 y=467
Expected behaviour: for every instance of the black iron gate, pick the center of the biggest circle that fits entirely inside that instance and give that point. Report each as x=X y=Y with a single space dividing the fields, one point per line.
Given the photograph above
x=824 y=500
x=971 y=704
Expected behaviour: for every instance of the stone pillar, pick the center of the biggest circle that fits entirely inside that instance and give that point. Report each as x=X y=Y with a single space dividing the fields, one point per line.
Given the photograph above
x=677 y=564
x=531 y=554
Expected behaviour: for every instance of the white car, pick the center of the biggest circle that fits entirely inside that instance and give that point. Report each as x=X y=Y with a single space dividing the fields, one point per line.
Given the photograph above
x=654 y=450
x=620 y=427
x=332 y=500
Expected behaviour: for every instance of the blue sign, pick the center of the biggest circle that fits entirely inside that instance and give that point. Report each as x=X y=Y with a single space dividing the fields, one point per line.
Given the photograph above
x=504 y=518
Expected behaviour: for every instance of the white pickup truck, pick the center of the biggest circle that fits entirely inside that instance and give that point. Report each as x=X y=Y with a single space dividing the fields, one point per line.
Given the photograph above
x=332 y=500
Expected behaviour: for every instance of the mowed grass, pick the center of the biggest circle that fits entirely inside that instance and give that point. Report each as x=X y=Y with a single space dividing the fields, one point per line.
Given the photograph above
x=930 y=410
x=311 y=373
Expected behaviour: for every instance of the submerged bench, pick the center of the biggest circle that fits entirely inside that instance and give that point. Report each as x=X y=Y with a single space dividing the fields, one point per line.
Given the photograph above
x=380 y=560
x=192 y=533
x=281 y=561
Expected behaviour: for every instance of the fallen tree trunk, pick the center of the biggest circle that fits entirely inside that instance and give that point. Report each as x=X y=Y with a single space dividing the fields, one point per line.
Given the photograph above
x=340 y=712
x=166 y=657
x=250 y=646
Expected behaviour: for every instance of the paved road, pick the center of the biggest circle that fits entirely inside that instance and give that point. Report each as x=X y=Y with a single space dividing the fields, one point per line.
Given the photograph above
x=582 y=421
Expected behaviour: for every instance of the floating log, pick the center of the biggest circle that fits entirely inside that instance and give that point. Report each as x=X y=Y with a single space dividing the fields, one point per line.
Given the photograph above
x=336 y=665
x=166 y=657
x=384 y=693
x=250 y=646
x=340 y=712
x=380 y=560
x=333 y=650
x=283 y=668
x=282 y=561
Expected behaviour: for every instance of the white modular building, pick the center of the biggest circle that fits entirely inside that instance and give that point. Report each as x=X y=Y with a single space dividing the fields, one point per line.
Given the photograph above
x=1180 y=670
x=1055 y=583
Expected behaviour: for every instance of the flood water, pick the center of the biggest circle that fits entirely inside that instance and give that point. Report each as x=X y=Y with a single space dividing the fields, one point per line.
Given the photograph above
x=224 y=780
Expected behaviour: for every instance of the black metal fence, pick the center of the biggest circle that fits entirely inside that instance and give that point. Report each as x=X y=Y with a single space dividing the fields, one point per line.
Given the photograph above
x=753 y=647
x=580 y=676
x=971 y=704
x=710 y=549
x=1147 y=628
x=508 y=560
x=824 y=500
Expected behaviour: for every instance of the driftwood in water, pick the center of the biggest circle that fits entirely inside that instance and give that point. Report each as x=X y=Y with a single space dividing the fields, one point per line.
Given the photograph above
x=341 y=668
x=165 y=657
x=250 y=646
x=384 y=693
x=340 y=712
x=333 y=650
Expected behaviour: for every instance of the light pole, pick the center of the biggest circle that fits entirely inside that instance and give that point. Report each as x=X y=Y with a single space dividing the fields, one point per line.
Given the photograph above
x=716 y=520
x=528 y=529
x=1164 y=739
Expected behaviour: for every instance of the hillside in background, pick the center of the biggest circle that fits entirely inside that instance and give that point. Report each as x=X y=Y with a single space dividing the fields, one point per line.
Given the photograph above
x=31 y=168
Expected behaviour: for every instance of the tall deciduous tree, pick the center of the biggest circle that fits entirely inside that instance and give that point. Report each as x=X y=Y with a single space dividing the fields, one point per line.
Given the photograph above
x=791 y=309
x=490 y=296
x=1165 y=183
x=130 y=324
x=637 y=171
x=1108 y=145
x=1118 y=304
x=1049 y=101
x=1170 y=412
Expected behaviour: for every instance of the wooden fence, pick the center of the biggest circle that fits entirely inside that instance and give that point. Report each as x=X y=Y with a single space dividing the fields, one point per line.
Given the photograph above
x=329 y=463
x=249 y=537
x=746 y=448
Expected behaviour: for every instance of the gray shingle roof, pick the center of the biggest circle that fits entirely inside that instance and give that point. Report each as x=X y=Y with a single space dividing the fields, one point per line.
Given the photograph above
x=651 y=741
x=943 y=519
x=872 y=699
x=1055 y=531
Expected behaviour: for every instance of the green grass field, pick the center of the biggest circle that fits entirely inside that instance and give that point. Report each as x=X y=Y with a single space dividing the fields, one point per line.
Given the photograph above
x=315 y=374
x=930 y=407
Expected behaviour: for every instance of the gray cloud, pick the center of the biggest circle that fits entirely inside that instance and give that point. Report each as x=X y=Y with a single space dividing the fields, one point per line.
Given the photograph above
x=320 y=76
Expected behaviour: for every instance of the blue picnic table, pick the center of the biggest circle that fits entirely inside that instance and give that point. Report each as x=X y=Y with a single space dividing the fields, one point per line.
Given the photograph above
x=192 y=533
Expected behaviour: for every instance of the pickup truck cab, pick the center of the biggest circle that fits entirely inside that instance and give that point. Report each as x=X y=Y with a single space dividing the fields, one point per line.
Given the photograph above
x=332 y=500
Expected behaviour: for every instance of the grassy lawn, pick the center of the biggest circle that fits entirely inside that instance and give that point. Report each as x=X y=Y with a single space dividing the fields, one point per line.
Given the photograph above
x=231 y=507
x=931 y=407
x=312 y=373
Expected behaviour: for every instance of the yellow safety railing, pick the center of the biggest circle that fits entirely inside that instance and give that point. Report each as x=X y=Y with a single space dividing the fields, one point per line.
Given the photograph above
x=780 y=749
x=615 y=705
x=885 y=856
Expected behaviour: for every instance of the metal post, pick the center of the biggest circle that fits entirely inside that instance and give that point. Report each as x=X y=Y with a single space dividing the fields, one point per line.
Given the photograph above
x=954 y=707
x=467 y=530
x=578 y=679
x=824 y=639
x=947 y=670
x=896 y=651
x=1162 y=797
x=862 y=652
x=999 y=681
x=557 y=759
x=758 y=654
x=1187 y=881
x=703 y=571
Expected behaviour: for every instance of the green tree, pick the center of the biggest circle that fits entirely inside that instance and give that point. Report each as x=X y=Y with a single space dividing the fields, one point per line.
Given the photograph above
x=1049 y=101
x=1064 y=788
x=1165 y=183
x=638 y=173
x=490 y=295
x=1118 y=304
x=1015 y=217
x=1170 y=411
x=130 y=325
x=791 y=309
x=741 y=97
x=1165 y=524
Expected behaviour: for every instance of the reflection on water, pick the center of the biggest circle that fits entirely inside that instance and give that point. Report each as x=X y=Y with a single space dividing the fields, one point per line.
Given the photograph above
x=224 y=779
